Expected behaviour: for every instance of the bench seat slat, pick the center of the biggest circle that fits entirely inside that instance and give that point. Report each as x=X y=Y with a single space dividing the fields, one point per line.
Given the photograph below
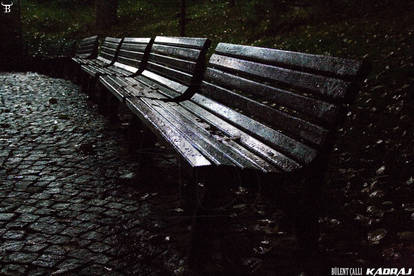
x=238 y=154
x=115 y=85
x=220 y=152
x=286 y=144
x=319 y=85
x=246 y=140
x=149 y=77
x=122 y=69
x=199 y=142
x=207 y=143
x=93 y=70
x=165 y=131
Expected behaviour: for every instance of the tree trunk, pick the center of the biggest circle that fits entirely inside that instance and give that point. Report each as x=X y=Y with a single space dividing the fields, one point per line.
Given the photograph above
x=182 y=18
x=106 y=13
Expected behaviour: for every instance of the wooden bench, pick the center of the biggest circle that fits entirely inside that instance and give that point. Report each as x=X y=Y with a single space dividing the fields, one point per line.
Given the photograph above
x=260 y=114
x=91 y=69
x=106 y=57
x=131 y=57
x=87 y=48
x=130 y=62
x=173 y=63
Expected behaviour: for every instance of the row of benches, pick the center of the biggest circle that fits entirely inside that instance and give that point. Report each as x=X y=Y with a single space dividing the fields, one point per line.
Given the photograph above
x=253 y=112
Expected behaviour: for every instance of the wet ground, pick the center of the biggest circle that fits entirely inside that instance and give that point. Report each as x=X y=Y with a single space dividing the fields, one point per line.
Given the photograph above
x=65 y=194
x=77 y=197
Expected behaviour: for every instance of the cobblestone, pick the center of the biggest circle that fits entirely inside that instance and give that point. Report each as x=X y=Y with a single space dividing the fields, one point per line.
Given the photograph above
x=60 y=205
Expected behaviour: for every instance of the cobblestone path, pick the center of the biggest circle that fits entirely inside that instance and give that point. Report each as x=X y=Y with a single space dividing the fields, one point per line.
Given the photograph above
x=64 y=201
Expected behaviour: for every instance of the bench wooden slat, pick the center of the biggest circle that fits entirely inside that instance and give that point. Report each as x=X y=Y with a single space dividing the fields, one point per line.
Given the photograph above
x=87 y=45
x=90 y=38
x=264 y=151
x=191 y=42
x=170 y=72
x=129 y=56
x=179 y=64
x=302 y=61
x=126 y=65
x=201 y=143
x=102 y=60
x=318 y=110
x=135 y=56
x=148 y=77
x=107 y=48
x=284 y=143
x=114 y=40
x=270 y=116
x=86 y=49
x=175 y=61
x=219 y=152
x=107 y=56
x=133 y=62
x=130 y=47
x=197 y=134
x=137 y=40
x=319 y=85
x=166 y=132
x=115 y=85
x=179 y=52
x=238 y=154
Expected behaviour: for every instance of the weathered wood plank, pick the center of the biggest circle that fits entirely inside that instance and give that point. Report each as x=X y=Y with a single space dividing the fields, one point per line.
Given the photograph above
x=246 y=140
x=324 y=86
x=165 y=131
x=179 y=52
x=176 y=86
x=270 y=116
x=319 y=110
x=284 y=143
x=191 y=42
x=301 y=61
x=173 y=74
x=179 y=64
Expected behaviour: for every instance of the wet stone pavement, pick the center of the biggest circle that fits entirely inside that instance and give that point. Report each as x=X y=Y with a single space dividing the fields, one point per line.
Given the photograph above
x=65 y=199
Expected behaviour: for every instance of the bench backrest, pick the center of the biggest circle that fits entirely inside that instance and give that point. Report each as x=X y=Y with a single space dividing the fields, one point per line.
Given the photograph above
x=87 y=47
x=288 y=100
x=132 y=53
x=109 y=49
x=176 y=62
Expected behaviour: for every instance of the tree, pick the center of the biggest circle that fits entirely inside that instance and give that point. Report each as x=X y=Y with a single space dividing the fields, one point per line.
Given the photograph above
x=106 y=13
